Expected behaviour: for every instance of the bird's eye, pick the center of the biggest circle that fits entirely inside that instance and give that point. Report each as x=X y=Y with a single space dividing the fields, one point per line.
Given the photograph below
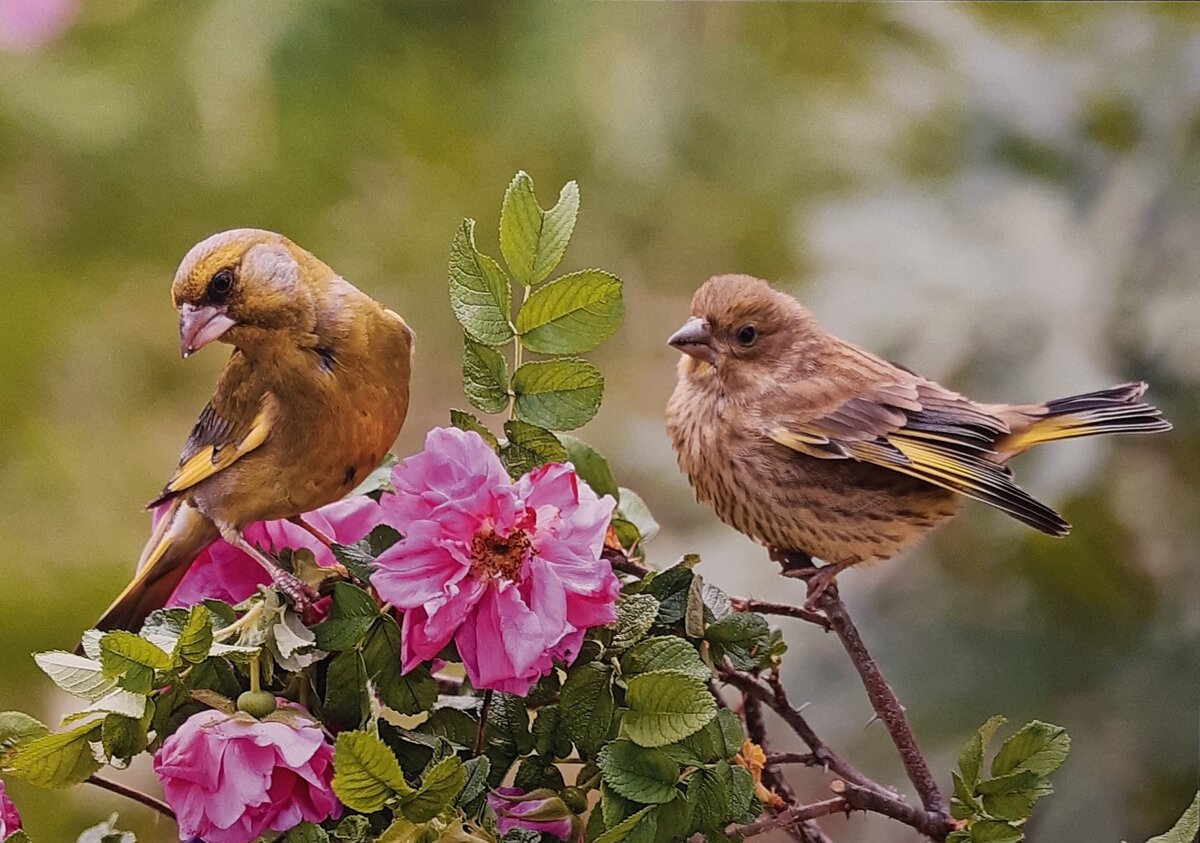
x=746 y=335
x=221 y=284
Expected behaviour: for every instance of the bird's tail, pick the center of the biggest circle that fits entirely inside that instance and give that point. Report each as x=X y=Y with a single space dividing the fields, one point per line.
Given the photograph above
x=178 y=537
x=1113 y=410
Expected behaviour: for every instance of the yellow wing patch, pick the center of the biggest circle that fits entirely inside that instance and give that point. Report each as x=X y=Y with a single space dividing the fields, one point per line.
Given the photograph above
x=213 y=458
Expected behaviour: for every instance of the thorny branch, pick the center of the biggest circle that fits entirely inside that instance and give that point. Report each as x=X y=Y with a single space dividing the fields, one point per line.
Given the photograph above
x=131 y=793
x=854 y=790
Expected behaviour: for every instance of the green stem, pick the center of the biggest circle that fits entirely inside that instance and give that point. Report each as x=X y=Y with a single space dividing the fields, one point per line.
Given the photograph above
x=255 y=674
x=517 y=351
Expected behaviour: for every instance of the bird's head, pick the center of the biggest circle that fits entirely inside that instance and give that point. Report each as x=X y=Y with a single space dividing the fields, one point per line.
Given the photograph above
x=739 y=323
x=242 y=286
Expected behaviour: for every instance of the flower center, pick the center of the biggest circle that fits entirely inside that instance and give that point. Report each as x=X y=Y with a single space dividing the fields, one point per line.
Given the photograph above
x=493 y=555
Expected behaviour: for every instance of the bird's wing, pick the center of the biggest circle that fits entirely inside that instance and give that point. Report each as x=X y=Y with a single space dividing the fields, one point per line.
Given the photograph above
x=235 y=422
x=918 y=428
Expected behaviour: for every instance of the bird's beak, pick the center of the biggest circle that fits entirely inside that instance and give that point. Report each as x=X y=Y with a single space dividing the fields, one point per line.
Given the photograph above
x=198 y=326
x=695 y=339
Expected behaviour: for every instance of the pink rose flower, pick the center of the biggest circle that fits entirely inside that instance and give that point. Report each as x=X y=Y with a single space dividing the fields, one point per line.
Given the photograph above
x=10 y=820
x=26 y=25
x=230 y=778
x=511 y=572
x=223 y=572
x=515 y=809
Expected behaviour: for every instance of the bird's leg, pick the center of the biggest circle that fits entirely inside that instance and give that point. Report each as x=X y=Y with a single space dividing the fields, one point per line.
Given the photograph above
x=299 y=521
x=821 y=580
x=301 y=595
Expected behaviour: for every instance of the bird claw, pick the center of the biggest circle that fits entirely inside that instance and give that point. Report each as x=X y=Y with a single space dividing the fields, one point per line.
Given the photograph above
x=819 y=582
x=295 y=589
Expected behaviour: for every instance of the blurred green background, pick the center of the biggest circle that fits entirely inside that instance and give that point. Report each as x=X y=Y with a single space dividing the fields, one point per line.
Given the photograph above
x=1004 y=197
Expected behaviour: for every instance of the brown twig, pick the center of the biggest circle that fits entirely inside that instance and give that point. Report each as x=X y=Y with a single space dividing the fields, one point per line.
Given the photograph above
x=932 y=824
x=884 y=701
x=808 y=759
x=130 y=793
x=625 y=565
x=774 y=697
x=481 y=733
x=756 y=730
x=764 y=607
x=791 y=816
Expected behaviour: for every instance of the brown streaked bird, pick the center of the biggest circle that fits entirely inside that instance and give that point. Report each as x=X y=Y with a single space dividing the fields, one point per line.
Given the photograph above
x=313 y=395
x=811 y=445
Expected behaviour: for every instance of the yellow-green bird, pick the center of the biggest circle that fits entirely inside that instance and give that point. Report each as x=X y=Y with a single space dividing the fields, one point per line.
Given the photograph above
x=312 y=397
x=813 y=446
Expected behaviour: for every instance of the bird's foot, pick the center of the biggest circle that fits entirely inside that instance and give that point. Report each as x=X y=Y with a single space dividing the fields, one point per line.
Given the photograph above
x=794 y=563
x=295 y=589
x=820 y=581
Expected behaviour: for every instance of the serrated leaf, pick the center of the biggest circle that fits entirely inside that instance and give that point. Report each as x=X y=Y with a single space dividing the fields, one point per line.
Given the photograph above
x=465 y=421
x=572 y=314
x=716 y=600
x=56 y=760
x=1036 y=746
x=306 y=832
x=479 y=290
x=365 y=772
x=77 y=675
x=537 y=773
x=441 y=783
x=590 y=466
x=587 y=706
x=508 y=723
x=17 y=727
x=123 y=737
x=665 y=707
x=639 y=827
x=634 y=510
x=693 y=608
x=671 y=589
x=1186 y=830
x=963 y=804
x=529 y=446
x=485 y=377
x=550 y=738
x=352 y=612
x=635 y=615
x=131 y=660
x=346 y=700
x=557 y=394
x=742 y=804
x=195 y=638
x=995 y=831
x=404 y=693
x=639 y=773
x=476 y=783
x=664 y=652
x=532 y=240
x=708 y=799
x=670 y=818
x=970 y=758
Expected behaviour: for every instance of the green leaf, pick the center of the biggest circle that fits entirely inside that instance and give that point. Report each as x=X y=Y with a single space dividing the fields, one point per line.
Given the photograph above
x=963 y=804
x=693 y=608
x=550 y=737
x=665 y=707
x=17 y=727
x=665 y=652
x=529 y=446
x=671 y=589
x=354 y=828
x=640 y=827
x=557 y=394
x=465 y=421
x=195 y=639
x=634 y=510
x=1011 y=796
x=995 y=831
x=587 y=706
x=572 y=314
x=404 y=693
x=352 y=613
x=726 y=733
x=77 y=675
x=1036 y=746
x=441 y=783
x=970 y=758
x=485 y=377
x=635 y=615
x=124 y=737
x=590 y=466
x=479 y=290
x=537 y=773
x=56 y=760
x=743 y=806
x=1186 y=830
x=672 y=817
x=359 y=557
x=508 y=722
x=131 y=660
x=306 y=832
x=365 y=772
x=346 y=701
x=476 y=783
x=708 y=799
x=639 y=773
x=532 y=240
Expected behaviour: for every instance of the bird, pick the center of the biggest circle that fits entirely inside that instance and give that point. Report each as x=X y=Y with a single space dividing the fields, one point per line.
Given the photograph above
x=821 y=450
x=313 y=395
